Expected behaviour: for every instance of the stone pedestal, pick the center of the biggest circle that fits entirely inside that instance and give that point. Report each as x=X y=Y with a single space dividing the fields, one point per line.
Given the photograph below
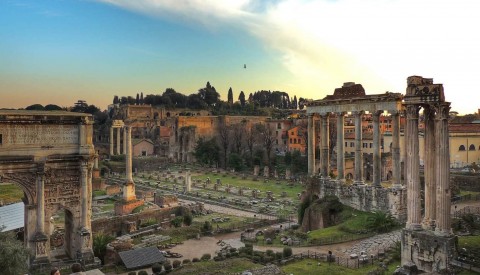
x=430 y=253
x=256 y=170
x=288 y=174
x=266 y=172
x=126 y=207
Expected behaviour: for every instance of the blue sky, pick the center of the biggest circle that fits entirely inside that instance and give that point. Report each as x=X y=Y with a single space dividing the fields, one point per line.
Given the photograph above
x=55 y=51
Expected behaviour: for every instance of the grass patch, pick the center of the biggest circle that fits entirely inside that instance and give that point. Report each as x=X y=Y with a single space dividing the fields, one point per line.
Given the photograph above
x=97 y=193
x=469 y=242
x=10 y=193
x=277 y=189
x=311 y=267
x=229 y=266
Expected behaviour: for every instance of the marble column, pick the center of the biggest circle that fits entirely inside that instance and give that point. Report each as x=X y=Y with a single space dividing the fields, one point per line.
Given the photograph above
x=124 y=140
x=324 y=155
x=414 y=217
x=429 y=169
x=40 y=201
x=95 y=163
x=118 y=140
x=311 y=144
x=111 y=141
x=358 y=177
x=377 y=155
x=84 y=193
x=396 y=168
x=442 y=170
x=340 y=146
x=128 y=156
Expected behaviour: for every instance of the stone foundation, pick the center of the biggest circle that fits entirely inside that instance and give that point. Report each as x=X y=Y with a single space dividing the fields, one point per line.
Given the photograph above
x=429 y=252
x=126 y=207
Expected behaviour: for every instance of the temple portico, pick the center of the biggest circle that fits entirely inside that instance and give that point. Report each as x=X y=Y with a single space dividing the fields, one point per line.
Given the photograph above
x=117 y=125
x=351 y=98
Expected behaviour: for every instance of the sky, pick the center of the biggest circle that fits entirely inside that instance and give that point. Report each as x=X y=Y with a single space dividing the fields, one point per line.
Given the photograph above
x=60 y=51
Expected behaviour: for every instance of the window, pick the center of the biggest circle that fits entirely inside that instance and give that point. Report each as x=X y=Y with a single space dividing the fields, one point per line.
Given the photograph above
x=292 y=133
x=371 y=145
x=299 y=141
x=291 y=141
x=279 y=126
x=352 y=144
x=346 y=144
x=461 y=148
x=276 y=141
x=295 y=141
x=471 y=148
x=1 y=139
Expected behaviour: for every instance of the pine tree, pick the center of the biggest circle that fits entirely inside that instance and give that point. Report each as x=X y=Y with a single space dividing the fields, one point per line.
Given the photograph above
x=230 y=96
x=241 y=98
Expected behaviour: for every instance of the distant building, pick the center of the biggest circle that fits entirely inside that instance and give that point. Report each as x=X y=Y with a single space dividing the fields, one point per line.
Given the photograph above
x=142 y=147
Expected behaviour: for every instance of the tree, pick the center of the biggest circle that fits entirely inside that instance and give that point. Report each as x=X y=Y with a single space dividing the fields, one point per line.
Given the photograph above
x=141 y=98
x=137 y=99
x=241 y=98
x=230 y=96
x=52 y=107
x=381 y=222
x=207 y=152
x=224 y=139
x=267 y=138
x=250 y=139
x=116 y=100
x=235 y=162
x=13 y=254
x=294 y=102
x=301 y=103
x=238 y=131
x=100 y=241
x=35 y=107
x=209 y=94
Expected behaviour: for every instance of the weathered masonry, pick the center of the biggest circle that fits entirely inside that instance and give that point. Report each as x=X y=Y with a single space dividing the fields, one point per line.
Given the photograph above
x=50 y=155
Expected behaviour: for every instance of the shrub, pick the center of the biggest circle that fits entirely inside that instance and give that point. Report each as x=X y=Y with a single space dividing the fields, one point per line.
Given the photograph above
x=168 y=266
x=132 y=273
x=186 y=261
x=156 y=268
x=176 y=263
x=206 y=257
x=142 y=272
x=278 y=255
x=177 y=222
x=287 y=252
x=207 y=227
x=270 y=252
x=381 y=222
x=187 y=219
x=195 y=260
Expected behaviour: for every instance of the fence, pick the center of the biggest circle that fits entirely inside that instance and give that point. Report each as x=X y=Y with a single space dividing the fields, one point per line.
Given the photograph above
x=467 y=210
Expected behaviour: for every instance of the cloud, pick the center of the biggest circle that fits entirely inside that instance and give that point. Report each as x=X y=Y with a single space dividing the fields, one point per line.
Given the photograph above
x=324 y=43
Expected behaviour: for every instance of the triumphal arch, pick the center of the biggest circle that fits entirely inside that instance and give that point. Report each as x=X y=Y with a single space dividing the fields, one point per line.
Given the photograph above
x=50 y=155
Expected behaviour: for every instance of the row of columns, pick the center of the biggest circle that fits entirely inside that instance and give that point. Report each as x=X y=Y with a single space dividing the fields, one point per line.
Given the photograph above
x=324 y=146
x=436 y=169
x=116 y=145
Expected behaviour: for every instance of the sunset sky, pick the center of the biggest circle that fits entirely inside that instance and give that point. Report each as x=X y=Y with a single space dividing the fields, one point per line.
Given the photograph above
x=59 y=51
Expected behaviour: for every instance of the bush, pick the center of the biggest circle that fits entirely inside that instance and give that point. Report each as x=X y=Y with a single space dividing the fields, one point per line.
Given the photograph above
x=287 y=252
x=195 y=260
x=187 y=219
x=206 y=257
x=168 y=266
x=156 y=268
x=278 y=255
x=142 y=272
x=186 y=261
x=207 y=227
x=132 y=273
x=177 y=222
x=269 y=252
x=176 y=263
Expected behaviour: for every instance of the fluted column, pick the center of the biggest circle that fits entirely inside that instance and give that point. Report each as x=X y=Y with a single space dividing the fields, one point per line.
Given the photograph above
x=429 y=169
x=340 y=146
x=376 y=149
x=324 y=156
x=124 y=140
x=311 y=145
x=358 y=177
x=111 y=141
x=40 y=200
x=442 y=170
x=396 y=169
x=95 y=163
x=128 y=156
x=414 y=217
x=84 y=192
x=118 y=141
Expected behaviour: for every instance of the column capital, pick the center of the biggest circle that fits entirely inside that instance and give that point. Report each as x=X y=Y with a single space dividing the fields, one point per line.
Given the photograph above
x=358 y=113
x=340 y=113
x=376 y=115
x=412 y=111
x=442 y=110
x=324 y=114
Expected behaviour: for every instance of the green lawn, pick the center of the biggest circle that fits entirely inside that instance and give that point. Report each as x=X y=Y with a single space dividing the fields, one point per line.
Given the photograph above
x=469 y=241
x=10 y=193
x=311 y=267
x=230 y=266
x=271 y=185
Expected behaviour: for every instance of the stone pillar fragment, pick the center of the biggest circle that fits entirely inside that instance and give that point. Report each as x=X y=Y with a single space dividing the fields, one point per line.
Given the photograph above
x=414 y=217
x=311 y=144
x=84 y=192
x=124 y=140
x=118 y=141
x=376 y=149
x=429 y=169
x=396 y=167
x=111 y=141
x=358 y=177
x=41 y=200
x=340 y=146
x=442 y=171
x=129 y=186
x=324 y=143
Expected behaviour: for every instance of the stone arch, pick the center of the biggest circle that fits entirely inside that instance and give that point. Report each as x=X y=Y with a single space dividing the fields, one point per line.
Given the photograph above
x=461 y=148
x=471 y=147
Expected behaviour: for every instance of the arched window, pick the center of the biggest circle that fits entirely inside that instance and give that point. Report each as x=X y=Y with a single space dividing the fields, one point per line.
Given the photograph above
x=471 y=147
x=461 y=148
